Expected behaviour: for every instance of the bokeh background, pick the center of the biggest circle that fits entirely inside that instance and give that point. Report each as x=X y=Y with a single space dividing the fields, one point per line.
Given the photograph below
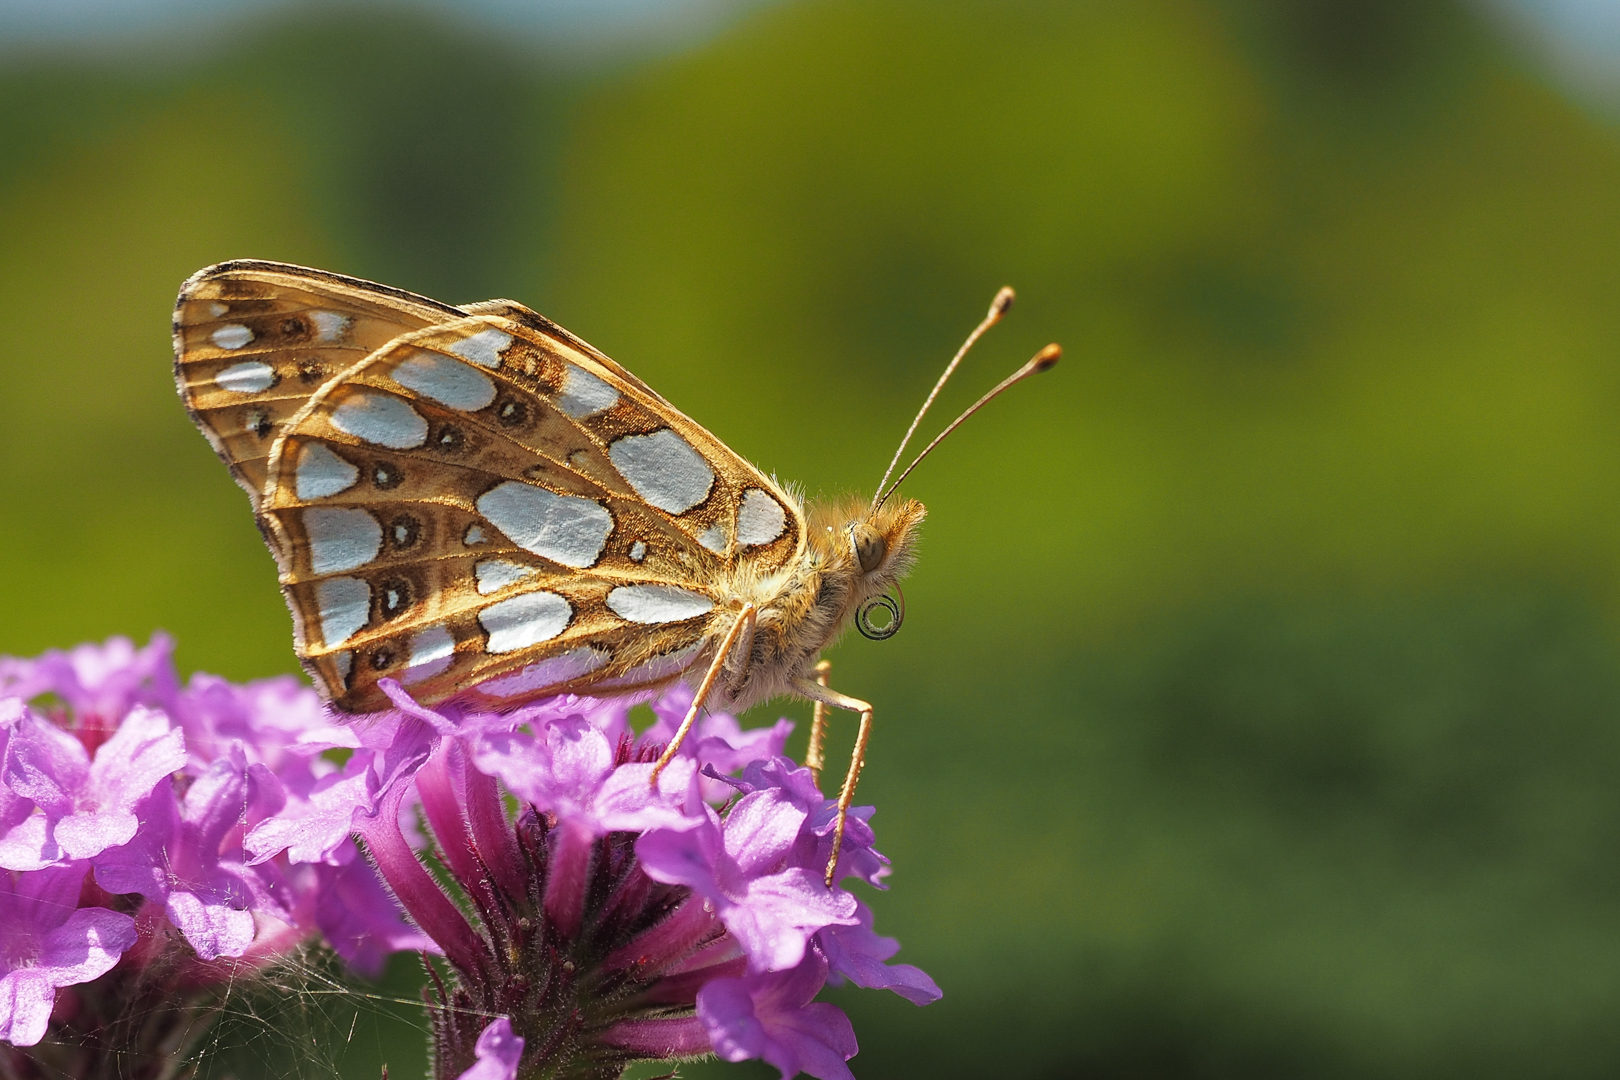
x=1258 y=709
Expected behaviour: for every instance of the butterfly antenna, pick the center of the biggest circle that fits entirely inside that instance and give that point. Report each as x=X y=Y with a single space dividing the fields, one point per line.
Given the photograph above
x=998 y=308
x=1040 y=362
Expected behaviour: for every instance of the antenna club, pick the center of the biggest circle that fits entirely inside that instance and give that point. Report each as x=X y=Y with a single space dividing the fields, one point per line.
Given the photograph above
x=1003 y=302
x=1047 y=357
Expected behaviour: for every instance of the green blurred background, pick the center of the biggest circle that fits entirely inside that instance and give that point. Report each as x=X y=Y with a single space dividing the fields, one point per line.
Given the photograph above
x=1257 y=712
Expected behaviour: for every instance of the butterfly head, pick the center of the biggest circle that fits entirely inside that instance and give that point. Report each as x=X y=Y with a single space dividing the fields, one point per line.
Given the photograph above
x=883 y=546
x=882 y=543
x=868 y=551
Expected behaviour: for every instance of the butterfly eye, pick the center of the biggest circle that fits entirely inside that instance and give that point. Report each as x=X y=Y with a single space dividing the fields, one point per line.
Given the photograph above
x=869 y=546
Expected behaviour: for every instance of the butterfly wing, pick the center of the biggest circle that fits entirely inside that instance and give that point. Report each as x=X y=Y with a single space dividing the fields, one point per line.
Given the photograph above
x=487 y=508
x=254 y=340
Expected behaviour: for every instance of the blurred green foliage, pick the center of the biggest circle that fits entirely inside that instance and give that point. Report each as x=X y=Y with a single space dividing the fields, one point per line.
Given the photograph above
x=1256 y=711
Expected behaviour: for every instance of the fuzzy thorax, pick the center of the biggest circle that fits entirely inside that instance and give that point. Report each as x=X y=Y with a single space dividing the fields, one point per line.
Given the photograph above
x=851 y=554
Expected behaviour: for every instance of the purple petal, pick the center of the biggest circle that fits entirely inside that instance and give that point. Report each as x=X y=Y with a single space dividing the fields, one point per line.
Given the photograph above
x=215 y=803
x=856 y=861
x=796 y=780
x=817 y=1039
x=628 y=802
x=857 y=953
x=609 y=716
x=268 y=793
x=35 y=903
x=519 y=760
x=28 y=844
x=142 y=865
x=670 y=708
x=86 y=946
x=497 y=1051
x=761 y=829
x=580 y=759
x=441 y=724
x=315 y=828
x=45 y=765
x=685 y=857
x=771 y=1017
x=804 y=1035
x=280 y=717
x=211 y=918
x=145 y=749
x=26 y=998
x=726 y=745
x=727 y=1010
x=84 y=835
x=777 y=915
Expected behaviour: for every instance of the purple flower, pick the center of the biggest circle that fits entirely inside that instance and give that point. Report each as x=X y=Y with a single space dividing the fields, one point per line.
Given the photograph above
x=772 y=1016
x=585 y=953
x=280 y=720
x=602 y=919
x=99 y=683
x=46 y=942
x=149 y=788
x=498 y=1051
x=610 y=919
x=857 y=857
x=569 y=769
x=184 y=859
x=717 y=739
x=93 y=782
x=316 y=818
x=744 y=867
x=857 y=953
x=84 y=806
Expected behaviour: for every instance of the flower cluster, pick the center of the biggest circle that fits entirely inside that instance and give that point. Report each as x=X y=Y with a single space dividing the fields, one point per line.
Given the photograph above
x=157 y=840
x=130 y=898
x=618 y=918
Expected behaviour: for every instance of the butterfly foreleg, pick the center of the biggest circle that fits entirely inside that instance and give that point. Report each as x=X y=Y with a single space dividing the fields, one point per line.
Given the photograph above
x=813 y=758
x=745 y=621
x=817 y=691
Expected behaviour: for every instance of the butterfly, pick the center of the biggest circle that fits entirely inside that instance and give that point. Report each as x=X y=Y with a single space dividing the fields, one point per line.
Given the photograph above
x=474 y=502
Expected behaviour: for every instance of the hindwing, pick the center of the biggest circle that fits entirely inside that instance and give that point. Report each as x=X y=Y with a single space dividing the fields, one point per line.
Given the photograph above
x=484 y=506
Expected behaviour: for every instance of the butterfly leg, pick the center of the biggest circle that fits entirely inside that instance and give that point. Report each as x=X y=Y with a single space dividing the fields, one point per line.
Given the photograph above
x=813 y=758
x=821 y=694
x=745 y=620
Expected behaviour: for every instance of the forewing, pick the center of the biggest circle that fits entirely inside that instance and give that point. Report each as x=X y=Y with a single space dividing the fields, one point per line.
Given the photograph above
x=254 y=340
x=485 y=508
